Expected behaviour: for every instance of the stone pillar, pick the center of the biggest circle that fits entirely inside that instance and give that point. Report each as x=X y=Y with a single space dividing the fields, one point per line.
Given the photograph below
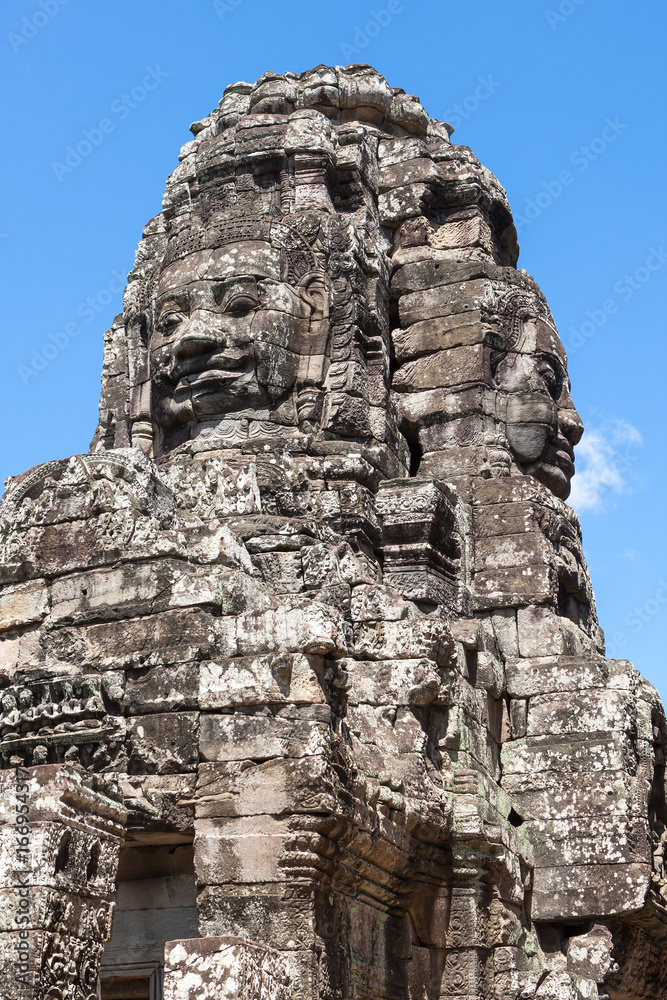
x=60 y=837
x=249 y=817
x=423 y=556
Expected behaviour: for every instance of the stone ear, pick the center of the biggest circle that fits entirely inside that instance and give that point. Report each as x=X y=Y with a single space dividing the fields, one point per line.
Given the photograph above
x=315 y=291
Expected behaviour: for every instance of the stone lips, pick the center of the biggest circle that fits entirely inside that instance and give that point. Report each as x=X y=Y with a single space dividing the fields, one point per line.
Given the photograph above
x=314 y=606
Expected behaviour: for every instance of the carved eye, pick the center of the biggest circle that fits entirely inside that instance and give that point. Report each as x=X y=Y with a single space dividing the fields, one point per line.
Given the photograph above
x=552 y=374
x=241 y=297
x=170 y=317
x=240 y=303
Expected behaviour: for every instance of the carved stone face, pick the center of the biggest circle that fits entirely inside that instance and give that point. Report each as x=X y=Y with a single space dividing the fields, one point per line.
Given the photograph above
x=8 y=703
x=542 y=425
x=25 y=699
x=228 y=335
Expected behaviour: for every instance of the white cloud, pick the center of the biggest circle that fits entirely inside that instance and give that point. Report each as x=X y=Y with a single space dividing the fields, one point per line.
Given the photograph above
x=605 y=457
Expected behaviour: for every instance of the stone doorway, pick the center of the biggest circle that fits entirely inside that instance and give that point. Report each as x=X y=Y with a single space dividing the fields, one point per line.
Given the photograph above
x=131 y=983
x=126 y=989
x=155 y=902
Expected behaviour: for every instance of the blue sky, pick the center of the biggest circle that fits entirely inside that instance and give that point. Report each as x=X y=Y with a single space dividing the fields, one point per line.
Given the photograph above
x=572 y=122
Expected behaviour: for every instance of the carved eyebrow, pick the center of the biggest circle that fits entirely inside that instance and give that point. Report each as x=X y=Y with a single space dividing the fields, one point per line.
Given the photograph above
x=241 y=286
x=171 y=299
x=178 y=303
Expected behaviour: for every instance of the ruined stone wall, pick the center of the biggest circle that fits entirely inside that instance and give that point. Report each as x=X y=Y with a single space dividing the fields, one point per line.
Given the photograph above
x=316 y=605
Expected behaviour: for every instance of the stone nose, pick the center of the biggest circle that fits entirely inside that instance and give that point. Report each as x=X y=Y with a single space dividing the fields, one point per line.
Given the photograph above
x=570 y=425
x=195 y=343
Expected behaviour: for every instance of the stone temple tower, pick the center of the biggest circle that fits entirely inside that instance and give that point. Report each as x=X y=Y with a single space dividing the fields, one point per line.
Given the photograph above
x=303 y=691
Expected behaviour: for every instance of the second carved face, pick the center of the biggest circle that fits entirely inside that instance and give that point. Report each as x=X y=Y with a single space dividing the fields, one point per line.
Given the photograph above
x=542 y=426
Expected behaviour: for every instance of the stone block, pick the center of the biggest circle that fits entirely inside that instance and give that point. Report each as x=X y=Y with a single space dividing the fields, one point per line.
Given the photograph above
x=163 y=743
x=443 y=299
x=594 y=753
x=494 y=519
x=437 y=334
x=593 y=711
x=606 y=839
x=162 y=637
x=419 y=170
x=315 y=631
x=514 y=587
x=512 y=551
x=134 y=589
x=256 y=680
x=371 y=603
x=503 y=622
x=571 y=795
x=574 y=892
x=395 y=640
x=279 y=787
x=163 y=689
x=23 y=604
x=446 y=368
x=393 y=682
x=540 y=630
x=590 y=955
x=240 y=849
x=544 y=675
x=257 y=737
x=286 y=914
x=9 y=654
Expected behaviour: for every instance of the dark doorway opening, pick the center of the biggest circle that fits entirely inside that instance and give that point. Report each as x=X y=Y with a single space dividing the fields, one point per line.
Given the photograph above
x=416 y=455
x=136 y=988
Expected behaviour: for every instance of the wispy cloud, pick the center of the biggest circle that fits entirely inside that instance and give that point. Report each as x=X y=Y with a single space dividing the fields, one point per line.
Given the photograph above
x=605 y=458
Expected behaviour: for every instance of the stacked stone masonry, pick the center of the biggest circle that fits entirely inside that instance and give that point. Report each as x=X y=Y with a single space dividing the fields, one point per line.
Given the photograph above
x=303 y=690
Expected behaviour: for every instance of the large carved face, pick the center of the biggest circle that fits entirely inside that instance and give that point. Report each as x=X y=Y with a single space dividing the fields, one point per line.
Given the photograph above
x=228 y=335
x=542 y=425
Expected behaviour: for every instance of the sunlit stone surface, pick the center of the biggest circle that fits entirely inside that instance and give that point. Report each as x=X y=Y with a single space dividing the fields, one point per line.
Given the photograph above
x=300 y=664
